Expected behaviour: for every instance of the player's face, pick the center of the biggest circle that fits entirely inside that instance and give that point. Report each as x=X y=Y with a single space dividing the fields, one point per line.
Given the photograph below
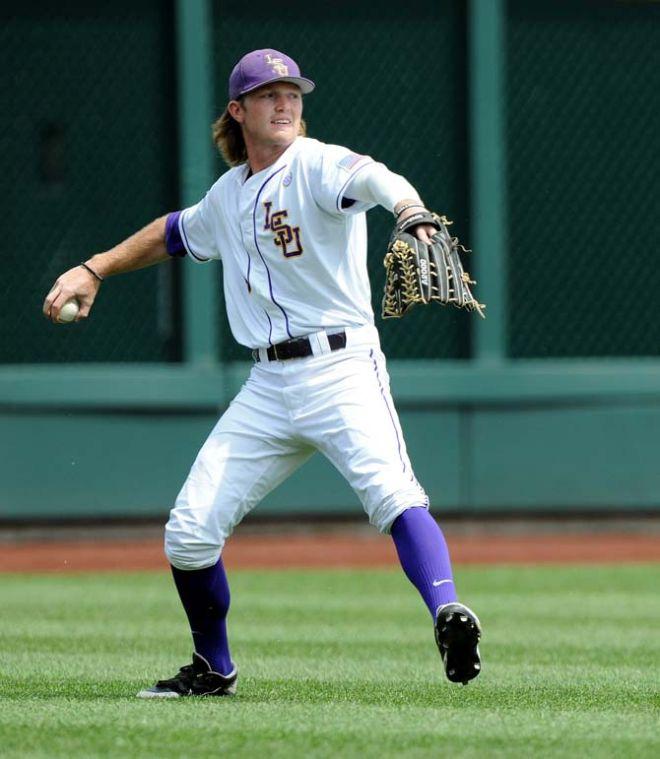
x=271 y=115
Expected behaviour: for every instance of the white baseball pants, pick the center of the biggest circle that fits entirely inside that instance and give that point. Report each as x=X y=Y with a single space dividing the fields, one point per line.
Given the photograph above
x=338 y=403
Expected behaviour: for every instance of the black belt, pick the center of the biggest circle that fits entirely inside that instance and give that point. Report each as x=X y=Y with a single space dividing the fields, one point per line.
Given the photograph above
x=299 y=347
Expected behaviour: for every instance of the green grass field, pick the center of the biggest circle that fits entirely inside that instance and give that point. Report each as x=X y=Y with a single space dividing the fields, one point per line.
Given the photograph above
x=334 y=664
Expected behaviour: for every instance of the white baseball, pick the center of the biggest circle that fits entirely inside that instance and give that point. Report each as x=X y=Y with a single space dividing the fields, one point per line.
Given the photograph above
x=69 y=311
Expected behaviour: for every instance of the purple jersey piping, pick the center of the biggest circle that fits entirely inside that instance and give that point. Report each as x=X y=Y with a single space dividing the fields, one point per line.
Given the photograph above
x=387 y=406
x=270 y=327
x=270 y=281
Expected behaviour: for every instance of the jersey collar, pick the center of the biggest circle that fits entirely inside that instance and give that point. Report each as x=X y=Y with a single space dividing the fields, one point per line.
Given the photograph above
x=288 y=154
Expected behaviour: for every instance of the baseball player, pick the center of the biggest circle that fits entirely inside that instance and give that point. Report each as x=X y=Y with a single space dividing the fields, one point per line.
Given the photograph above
x=288 y=223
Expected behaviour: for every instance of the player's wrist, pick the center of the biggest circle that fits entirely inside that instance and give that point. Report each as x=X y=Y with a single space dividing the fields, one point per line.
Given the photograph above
x=406 y=205
x=93 y=270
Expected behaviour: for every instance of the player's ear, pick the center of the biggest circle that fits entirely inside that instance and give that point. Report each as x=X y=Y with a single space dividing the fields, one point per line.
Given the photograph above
x=235 y=110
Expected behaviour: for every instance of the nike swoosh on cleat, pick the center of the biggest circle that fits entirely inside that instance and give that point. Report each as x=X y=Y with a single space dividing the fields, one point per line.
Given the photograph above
x=440 y=582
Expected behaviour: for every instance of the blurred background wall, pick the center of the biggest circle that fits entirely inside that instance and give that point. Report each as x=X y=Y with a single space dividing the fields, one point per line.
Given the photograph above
x=534 y=125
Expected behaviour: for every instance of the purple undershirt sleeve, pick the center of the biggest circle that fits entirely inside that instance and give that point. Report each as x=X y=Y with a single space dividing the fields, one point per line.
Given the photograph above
x=173 y=241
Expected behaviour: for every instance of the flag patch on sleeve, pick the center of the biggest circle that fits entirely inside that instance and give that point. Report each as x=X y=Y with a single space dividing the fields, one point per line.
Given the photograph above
x=350 y=160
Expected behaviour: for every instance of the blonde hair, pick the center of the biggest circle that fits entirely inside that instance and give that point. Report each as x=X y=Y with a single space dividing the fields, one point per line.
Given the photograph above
x=228 y=138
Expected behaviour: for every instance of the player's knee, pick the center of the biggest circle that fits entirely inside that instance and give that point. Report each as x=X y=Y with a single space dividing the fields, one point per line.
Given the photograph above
x=384 y=513
x=188 y=557
x=186 y=551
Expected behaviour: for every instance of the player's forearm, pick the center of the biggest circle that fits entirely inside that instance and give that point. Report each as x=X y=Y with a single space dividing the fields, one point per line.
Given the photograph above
x=375 y=183
x=145 y=248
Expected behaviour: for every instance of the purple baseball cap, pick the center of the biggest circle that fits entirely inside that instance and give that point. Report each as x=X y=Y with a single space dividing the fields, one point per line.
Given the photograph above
x=263 y=67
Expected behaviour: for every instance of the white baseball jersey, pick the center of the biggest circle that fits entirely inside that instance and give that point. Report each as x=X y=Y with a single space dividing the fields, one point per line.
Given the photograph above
x=294 y=260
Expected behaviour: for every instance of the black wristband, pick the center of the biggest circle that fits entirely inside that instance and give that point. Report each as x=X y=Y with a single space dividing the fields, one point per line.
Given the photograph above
x=91 y=271
x=421 y=217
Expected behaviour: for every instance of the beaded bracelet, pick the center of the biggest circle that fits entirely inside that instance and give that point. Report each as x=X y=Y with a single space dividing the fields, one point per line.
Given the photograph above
x=406 y=207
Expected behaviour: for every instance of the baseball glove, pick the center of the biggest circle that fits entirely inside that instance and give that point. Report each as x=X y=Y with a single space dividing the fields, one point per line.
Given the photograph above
x=419 y=273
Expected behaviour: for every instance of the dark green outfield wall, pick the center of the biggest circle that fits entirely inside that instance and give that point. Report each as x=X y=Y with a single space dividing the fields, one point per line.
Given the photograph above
x=584 y=457
x=534 y=125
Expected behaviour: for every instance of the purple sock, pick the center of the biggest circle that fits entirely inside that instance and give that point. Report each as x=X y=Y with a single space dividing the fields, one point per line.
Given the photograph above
x=204 y=594
x=424 y=556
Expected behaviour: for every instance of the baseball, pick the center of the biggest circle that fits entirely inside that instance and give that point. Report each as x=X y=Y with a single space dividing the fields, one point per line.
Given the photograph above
x=69 y=311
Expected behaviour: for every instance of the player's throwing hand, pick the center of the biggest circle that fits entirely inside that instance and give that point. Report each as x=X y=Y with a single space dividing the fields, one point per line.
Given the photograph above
x=81 y=283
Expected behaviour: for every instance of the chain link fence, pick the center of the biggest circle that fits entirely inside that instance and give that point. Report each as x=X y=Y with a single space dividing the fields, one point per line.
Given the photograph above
x=583 y=139
x=89 y=145
x=390 y=83
x=89 y=155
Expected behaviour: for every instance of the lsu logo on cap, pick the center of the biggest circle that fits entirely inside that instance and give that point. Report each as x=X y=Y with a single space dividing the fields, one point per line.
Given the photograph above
x=278 y=65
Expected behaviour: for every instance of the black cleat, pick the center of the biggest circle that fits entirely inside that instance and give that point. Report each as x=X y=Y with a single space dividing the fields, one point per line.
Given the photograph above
x=196 y=679
x=457 y=633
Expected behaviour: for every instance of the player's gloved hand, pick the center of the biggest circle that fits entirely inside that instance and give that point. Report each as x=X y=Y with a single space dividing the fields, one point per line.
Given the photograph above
x=78 y=283
x=417 y=271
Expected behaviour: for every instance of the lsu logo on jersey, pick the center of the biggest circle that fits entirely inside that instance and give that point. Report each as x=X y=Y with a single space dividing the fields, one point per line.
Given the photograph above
x=286 y=236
